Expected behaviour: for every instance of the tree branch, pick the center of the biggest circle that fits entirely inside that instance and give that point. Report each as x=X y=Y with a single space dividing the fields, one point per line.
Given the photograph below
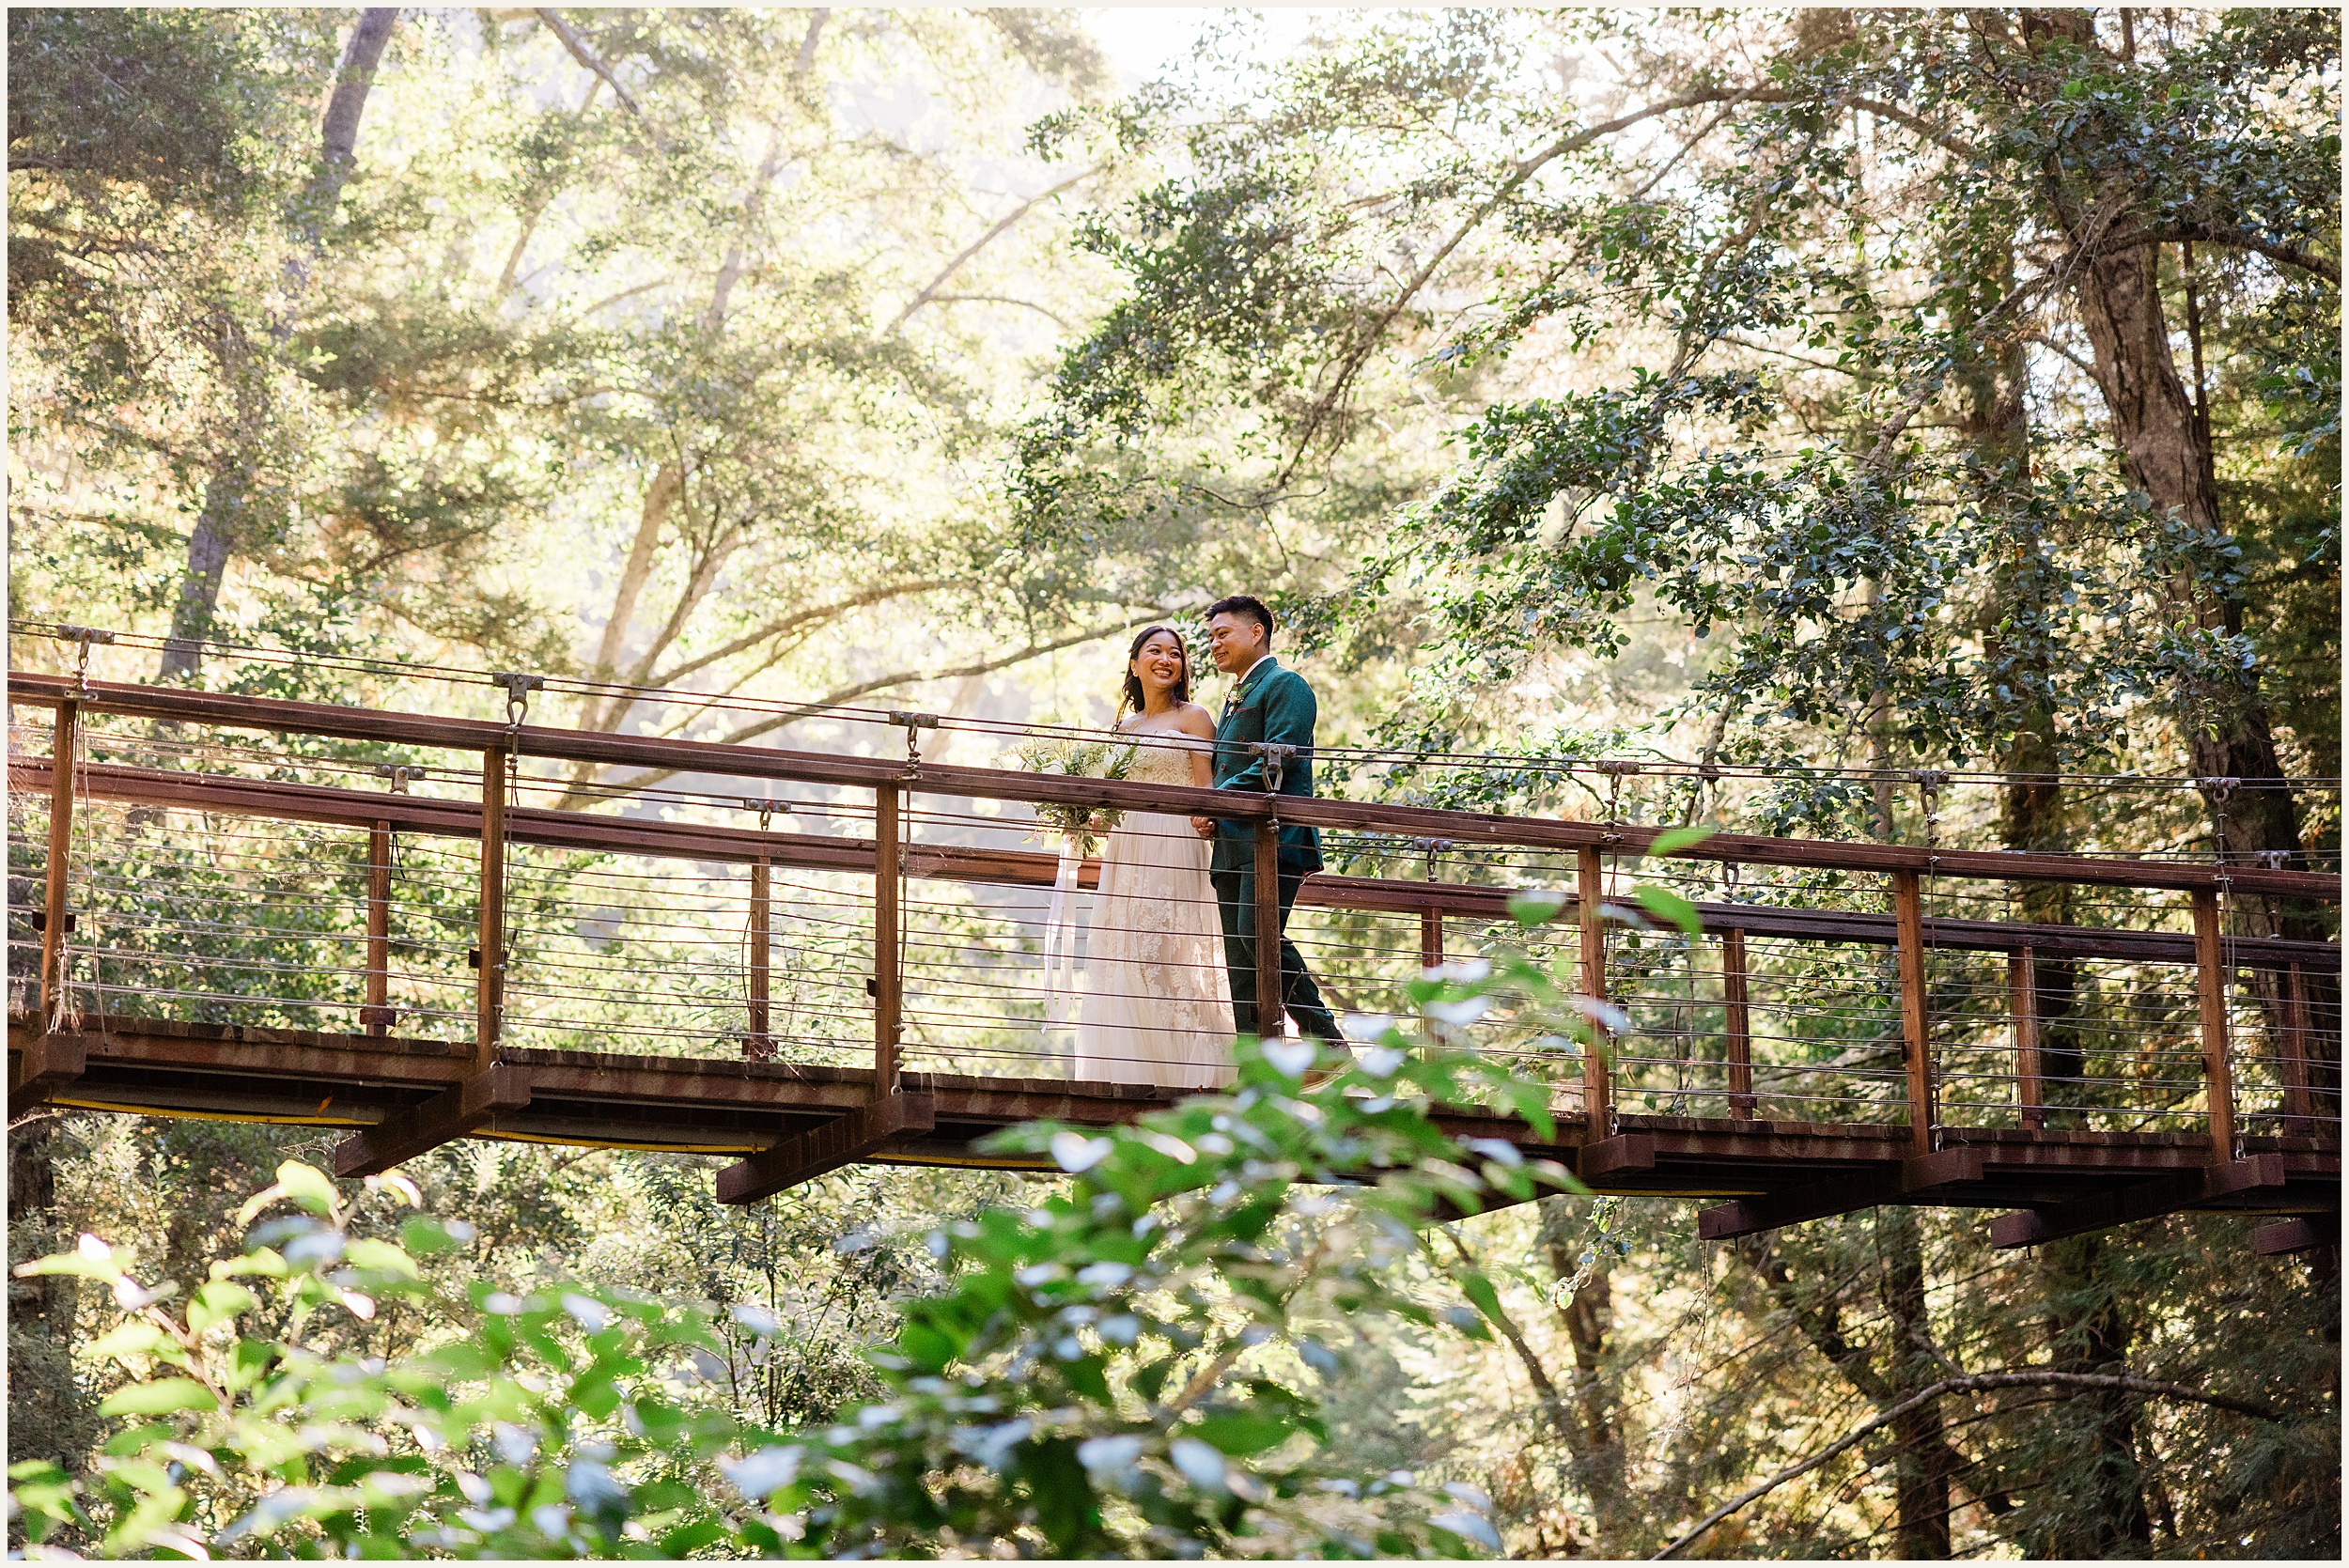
x=1365 y=343
x=799 y=618
x=981 y=243
x=2231 y=238
x=584 y=56
x=1977 y=1383
x=904 y=677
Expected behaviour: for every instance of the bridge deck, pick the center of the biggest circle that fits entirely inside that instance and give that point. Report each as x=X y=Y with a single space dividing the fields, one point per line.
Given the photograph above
x=610 y=1100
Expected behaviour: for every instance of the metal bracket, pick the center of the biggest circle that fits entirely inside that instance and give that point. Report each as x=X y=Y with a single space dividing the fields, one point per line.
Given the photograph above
x=913 y=724
x=401 y=777
x=517 y=688
x=765 y=808
x=1276 y=760
x=87 y=636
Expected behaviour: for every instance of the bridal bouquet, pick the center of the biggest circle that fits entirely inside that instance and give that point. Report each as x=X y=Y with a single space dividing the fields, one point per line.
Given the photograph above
x=1080 y=826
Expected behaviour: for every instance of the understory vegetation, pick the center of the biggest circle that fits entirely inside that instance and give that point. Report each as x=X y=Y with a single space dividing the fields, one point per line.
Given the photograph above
x=1859 y=423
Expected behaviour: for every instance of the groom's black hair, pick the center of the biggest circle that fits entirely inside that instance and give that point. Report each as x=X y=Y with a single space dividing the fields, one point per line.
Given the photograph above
x=1248 y=605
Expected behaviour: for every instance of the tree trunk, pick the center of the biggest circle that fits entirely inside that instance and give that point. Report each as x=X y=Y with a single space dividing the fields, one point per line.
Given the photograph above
x=51 y=1415
x=1922 y=1457
x=228 y=493
x=225 y=498
x=1599 y=1463
x=2088 y=1330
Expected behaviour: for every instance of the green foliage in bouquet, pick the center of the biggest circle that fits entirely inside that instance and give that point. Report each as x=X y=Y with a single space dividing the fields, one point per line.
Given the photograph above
x=1081 y=827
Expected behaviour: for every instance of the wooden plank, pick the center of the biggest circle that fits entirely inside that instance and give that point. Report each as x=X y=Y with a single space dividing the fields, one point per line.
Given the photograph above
x=1922 y=1173
x=1271 y=995
x=56 y=909
x=1916 y=1032
x=376 y=1016
x=1608 y=1156
x=888 y=977
x=759 y=1047
x=44 y=1064
x=763 y=762
x=573 y=830
x=1599 y=1079
x=841 y=1142
x=1736 y=1004
x=2296 y=1235
x=2151 y=1200
x=489 y=981
x=2210 y=985
x=464 y=1108
x=2022 y=993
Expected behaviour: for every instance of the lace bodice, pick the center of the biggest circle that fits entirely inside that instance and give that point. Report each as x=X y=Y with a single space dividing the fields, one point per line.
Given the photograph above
x=1164 y=756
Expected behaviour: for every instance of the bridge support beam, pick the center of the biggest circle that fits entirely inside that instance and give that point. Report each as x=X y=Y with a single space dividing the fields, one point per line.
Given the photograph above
x=57 y=919
x=46 y=1064
x=1930 y=1173
x=1916 y=1026
x=1736 y=1004
x=1598 y=1081
x=820 y=1151
x=2210 y=974
x=462 y=1108
x=2297 y=1236
x=2143 y=1200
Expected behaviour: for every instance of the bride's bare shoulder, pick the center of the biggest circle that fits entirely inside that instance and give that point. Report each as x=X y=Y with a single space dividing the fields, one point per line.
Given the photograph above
x=1196 y=721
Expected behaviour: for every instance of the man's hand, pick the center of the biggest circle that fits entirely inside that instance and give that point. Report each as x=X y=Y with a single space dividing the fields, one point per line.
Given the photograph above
x=1203 y=826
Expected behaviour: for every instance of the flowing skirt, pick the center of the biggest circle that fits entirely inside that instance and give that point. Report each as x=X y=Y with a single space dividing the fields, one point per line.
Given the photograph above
x=1157 y=1005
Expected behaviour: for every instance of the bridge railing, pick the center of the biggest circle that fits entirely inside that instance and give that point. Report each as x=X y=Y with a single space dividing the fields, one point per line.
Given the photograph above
x=239 y=862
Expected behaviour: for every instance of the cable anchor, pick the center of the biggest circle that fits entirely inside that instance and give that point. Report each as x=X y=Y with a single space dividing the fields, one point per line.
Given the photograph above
x=913 y=724
x=1276 y=760
x=400 y=777
x=517 y=688
x=87 y=636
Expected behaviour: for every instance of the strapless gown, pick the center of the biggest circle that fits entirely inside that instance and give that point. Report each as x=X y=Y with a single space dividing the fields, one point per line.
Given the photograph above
x=1157 y=1006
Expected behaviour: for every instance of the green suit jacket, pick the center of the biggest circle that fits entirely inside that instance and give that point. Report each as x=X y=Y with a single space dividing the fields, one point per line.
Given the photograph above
x=1272 y=705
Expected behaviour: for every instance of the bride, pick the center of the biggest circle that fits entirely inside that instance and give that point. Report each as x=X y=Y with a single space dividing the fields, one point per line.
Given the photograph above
x=1156 y=1005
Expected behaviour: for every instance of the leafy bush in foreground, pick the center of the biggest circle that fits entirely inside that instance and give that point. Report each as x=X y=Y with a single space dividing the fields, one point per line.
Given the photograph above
x=1125 y=1369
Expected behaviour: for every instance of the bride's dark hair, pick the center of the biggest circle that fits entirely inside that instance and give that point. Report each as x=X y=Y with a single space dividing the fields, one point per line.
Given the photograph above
x=1134 y=696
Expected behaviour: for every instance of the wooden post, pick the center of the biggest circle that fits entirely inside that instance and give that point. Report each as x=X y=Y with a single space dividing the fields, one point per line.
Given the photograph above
x=2299 y=1114
x=489 y=983
x=887 y=980
x=1598 y=1089
x=1271 y=1000
x=54 y=915
x=2210 y=983
x=1916 y=1042
x=1430 y=939
x=1734 y=995
x=2022 y=1003
x=759 y=1047
x=375 y=1017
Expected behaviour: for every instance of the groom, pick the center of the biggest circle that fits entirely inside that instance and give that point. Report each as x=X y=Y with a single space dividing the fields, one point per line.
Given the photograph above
x=1272 y=704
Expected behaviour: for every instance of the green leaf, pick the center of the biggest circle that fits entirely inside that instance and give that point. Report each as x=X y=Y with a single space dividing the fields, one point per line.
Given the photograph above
x=219 y=1302
x=1664 y=903
x=158 y=1397
x=309 y=1186
x=1242 y=1433
x=1674 y=840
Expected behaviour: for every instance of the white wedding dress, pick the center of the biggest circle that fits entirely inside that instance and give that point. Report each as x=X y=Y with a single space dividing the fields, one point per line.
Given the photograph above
x=1156 y=1005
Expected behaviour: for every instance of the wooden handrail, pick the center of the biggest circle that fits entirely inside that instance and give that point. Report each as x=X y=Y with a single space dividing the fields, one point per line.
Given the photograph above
x=472 y=734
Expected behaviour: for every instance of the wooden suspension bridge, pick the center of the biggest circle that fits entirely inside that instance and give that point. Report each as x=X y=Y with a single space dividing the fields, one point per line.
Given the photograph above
x=1986 y=1098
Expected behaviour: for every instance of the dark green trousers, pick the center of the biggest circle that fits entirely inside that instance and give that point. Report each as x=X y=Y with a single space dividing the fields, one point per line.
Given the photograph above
x=1236 y=899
